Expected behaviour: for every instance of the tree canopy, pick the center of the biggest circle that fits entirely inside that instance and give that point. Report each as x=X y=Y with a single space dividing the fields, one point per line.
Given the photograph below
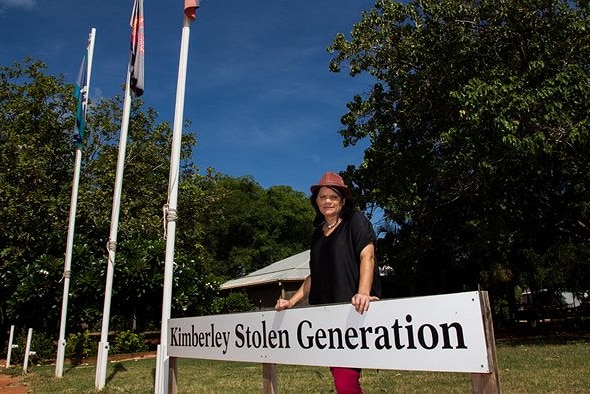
x=479 y=140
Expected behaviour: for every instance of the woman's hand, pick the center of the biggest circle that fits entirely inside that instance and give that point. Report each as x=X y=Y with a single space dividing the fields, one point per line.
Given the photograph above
x=361 y=302
x=300 y=294
x=282 y=304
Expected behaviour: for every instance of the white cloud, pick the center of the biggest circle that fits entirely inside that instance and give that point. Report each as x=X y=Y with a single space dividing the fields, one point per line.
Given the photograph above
x=28 y=4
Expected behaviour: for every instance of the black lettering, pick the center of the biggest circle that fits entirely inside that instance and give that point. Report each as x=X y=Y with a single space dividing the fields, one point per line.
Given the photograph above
x=173 y=339
x=459 y=335
x=410 y=331
x=185 y=339
x=272 y=335
x=239 y=335
x=364 y=331
x=396 y=335
x=319 y=335
x=194 y=336
x=309 y=343
x=433 y=336
x=211 y=336
x=248 y=337
x=335 y=332
x=256 y=339
x=264 y=334
x=382 y=341
x=350 y=334
x=284 y=339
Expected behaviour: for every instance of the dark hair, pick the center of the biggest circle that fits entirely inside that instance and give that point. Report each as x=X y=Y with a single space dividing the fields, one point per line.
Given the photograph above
x=347 y=209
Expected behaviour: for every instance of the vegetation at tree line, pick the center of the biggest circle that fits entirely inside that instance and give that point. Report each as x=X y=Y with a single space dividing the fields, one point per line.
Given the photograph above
x=479 y=149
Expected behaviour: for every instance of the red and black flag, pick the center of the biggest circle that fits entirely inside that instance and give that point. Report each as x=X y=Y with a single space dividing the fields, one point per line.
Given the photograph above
x=190 y=8
x=136 y=63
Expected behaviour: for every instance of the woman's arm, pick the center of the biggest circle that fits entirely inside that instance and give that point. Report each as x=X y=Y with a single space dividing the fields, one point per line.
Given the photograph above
x=299 y=295
x=363 y=298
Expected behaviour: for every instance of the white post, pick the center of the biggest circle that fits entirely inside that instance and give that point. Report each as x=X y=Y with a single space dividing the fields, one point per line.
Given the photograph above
x=162 y=365
x=10 y=346
x=27 y=351
x=61 y=343
x=103 y=346
x=157 y=377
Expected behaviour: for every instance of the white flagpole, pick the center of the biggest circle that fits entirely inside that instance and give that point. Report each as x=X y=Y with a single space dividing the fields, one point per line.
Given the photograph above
x=103 y=345
x=61 y=344
x=162 y=362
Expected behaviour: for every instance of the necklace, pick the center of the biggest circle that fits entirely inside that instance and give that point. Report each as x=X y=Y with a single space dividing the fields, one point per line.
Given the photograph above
x=330 y=226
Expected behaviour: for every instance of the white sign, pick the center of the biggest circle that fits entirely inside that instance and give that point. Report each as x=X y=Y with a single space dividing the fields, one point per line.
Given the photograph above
x=434 y=333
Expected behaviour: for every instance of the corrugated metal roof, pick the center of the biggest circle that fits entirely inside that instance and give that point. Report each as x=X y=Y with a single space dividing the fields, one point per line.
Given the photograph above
x=292 y=268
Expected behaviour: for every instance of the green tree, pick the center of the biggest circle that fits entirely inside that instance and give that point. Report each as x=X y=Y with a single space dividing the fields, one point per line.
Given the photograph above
x=35 y=170
x=138 y=270
x=35 y=176
x=196 y=284
x=256 y=226
x=479 y=148
x=139 y=266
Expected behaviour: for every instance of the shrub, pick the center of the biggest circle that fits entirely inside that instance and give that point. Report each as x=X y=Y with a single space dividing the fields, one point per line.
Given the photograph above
x=129 y=342
x=79 y=346
x=232 y=303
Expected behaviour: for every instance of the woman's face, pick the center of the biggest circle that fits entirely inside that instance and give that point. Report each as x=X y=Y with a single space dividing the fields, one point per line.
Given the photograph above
x=329 y=202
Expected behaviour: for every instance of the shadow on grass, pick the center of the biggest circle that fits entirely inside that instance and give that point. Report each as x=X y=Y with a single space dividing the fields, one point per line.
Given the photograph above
x=74 y=363
x=118 y=367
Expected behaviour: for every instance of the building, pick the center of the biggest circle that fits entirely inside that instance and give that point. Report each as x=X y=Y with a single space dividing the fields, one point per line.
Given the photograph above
x=280 y=279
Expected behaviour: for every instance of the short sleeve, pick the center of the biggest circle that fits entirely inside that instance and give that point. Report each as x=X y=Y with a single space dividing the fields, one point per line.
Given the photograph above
x=362 y=232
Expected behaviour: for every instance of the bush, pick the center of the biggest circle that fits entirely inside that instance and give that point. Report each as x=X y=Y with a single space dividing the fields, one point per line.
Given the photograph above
x=79 y=346
x=129 y=342
x=232 y=303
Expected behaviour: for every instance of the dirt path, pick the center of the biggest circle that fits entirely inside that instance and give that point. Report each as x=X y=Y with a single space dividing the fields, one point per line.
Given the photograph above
x=11 y=384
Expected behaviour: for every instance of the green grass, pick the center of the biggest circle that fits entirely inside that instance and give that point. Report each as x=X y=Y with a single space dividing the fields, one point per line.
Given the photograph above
x=526 y=366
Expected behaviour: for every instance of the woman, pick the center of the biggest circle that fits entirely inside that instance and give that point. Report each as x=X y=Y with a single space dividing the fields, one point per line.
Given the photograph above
x=342 y=262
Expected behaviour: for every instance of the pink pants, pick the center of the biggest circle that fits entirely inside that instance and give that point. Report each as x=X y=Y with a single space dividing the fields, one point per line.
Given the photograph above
x=347 y=380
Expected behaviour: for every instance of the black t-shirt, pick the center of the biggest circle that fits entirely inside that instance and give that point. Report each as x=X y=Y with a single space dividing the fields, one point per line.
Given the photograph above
x=335 y=261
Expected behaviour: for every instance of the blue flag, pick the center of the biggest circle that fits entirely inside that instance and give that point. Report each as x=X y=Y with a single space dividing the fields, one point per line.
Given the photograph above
x=81 y=95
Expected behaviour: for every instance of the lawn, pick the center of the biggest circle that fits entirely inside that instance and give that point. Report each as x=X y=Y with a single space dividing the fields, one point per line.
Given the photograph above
x=556 y=364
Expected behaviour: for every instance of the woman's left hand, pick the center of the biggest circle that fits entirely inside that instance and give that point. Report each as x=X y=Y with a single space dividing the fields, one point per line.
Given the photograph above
x=361 y=302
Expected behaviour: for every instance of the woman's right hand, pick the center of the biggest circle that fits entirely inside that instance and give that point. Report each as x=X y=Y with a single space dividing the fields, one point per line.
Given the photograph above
x=282 y=304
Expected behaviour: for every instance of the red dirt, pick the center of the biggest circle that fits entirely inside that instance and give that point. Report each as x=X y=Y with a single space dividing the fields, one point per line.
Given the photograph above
x=12 y=384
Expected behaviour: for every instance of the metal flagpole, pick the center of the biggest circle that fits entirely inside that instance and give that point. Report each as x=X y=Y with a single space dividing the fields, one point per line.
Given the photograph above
x=61 y=344
x=135 y=72
x=103 y=345
x=162 y=362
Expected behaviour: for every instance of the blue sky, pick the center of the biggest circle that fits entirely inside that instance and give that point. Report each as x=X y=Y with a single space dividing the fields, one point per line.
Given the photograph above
x=259 y=93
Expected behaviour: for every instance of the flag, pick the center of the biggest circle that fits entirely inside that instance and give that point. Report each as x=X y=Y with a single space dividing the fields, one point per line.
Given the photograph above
x=81 y=95
x=136 y=63
x=190 y=8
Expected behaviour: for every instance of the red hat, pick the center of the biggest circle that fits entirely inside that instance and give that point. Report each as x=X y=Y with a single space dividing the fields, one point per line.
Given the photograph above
x=331 y=179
